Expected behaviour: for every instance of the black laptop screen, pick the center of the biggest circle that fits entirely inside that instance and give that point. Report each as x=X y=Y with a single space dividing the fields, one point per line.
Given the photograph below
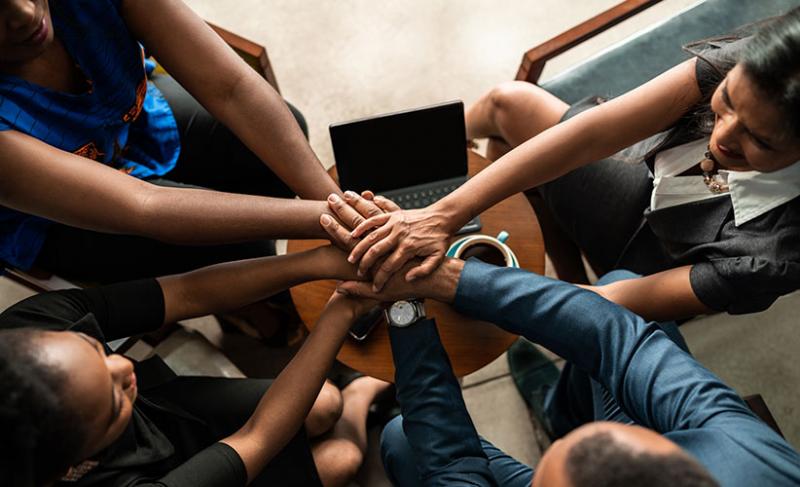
x=404 y=149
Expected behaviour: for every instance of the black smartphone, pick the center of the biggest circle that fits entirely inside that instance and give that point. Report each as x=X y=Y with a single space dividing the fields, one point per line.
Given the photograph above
x=365 y=323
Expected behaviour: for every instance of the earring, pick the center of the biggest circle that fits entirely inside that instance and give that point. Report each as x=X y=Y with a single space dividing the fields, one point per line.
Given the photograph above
x=77 y=472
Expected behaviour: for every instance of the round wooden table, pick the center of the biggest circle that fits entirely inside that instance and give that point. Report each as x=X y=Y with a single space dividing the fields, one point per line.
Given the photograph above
x=471 y=344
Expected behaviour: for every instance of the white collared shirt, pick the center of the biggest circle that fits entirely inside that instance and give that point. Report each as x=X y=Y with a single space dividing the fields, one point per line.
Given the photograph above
x=752 y=193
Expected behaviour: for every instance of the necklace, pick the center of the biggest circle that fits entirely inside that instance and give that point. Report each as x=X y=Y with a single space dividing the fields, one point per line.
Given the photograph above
x=713 y=181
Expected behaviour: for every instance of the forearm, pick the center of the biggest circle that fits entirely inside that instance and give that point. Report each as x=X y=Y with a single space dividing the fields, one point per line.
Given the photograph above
x=664 y=296
x=261 y=119
x=435 y=418
x=232 y=285
x=535 y=162
x=282 y=410
x=589 y=136
x=200 y=217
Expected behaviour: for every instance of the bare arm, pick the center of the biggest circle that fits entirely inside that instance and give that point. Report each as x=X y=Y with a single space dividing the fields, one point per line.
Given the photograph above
x=232 y=285
x=664 y=296
x=41 y=180
x=592 y=135
x=282 y=410
x=232 y=91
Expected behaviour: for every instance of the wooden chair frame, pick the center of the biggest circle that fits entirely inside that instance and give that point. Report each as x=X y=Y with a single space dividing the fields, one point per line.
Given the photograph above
x=534 y=60
x=533 y=63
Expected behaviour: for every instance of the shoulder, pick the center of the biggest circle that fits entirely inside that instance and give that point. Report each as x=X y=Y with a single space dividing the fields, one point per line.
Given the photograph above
x=58 y=310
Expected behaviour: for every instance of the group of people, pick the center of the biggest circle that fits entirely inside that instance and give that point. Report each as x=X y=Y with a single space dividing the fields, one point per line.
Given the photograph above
x=166 y=191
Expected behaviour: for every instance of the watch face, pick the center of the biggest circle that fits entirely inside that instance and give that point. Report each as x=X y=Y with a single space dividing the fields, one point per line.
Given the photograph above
x=402 y=313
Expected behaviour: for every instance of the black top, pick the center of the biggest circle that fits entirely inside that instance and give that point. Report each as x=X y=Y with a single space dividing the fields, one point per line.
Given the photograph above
x=740 y=269
x=143 y=455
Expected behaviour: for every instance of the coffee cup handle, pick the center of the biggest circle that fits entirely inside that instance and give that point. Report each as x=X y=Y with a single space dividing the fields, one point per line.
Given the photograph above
x=503 y=236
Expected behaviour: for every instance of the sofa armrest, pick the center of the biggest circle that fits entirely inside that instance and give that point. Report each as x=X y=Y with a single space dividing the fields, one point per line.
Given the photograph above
x=534 y=60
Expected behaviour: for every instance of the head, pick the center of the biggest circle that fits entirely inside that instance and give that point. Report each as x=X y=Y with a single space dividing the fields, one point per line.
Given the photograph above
x=753 y=115
x=605 y=454
x=757 y=105
x=26 y=30
x=64 y=400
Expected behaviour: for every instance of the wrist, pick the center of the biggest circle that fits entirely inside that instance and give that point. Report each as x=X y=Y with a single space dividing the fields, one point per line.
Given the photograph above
x=328 y=262
x=450 y=213
x=443 y=284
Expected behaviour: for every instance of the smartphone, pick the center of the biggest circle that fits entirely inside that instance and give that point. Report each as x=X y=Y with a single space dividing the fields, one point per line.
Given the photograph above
x=365 y=323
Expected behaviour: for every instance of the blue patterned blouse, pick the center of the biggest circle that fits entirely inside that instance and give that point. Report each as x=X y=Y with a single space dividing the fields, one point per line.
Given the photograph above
x=121 y=120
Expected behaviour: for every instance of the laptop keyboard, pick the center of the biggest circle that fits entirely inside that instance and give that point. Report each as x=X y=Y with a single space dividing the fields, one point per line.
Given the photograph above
x=423 y=197
x=427 y=194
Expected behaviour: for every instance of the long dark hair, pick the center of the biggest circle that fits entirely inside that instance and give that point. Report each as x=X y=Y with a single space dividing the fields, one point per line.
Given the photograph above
x=770 y=57
x=41 y=437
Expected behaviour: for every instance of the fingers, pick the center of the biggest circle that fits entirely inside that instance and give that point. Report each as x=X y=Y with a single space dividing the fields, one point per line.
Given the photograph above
x=357 y=289
x=339 y=235
x=368 y=195
x=365 y=207
x=369 y=224
x=377 y=251
x=430 y=264
x=386 y=204
x=366 y=243
x=390 y=266
x=344 y=212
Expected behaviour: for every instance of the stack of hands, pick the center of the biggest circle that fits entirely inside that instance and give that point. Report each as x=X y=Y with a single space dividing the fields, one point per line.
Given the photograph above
x=399 y=254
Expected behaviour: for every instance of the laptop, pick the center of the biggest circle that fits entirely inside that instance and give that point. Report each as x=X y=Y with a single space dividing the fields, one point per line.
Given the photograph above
x=414 y=157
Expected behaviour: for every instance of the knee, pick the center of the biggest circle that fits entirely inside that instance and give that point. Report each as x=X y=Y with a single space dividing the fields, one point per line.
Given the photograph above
x=508 y=94
x=327 y=409
x=393 y=439
x=347 y=460
x=617 y=275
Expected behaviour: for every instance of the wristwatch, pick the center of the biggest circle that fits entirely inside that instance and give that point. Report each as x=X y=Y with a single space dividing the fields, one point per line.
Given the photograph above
x=404 y=313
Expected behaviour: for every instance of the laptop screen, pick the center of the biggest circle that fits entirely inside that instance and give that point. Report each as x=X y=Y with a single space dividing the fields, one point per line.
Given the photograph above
x=402 y=149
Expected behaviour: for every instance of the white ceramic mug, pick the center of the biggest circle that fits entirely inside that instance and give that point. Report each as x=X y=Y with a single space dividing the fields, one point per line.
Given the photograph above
x=462 y=245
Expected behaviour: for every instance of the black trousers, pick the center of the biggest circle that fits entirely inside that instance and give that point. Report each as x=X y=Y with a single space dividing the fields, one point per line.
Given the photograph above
x=211 y=157
x=222 y=406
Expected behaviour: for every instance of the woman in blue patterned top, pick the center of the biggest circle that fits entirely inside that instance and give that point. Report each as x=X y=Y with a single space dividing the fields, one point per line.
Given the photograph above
x=103 y=172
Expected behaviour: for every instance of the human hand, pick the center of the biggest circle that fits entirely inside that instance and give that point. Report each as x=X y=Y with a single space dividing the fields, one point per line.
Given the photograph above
x=350 y=212
x=440 y=285
x=345 y=309
x=398 y=237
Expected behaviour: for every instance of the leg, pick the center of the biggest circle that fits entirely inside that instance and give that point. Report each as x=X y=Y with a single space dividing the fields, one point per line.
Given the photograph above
x=398 y=459
x=224 y=405
x=97 y=257
x=325 y=412
x=211 y=155
x=339 y=455
x=512 y=113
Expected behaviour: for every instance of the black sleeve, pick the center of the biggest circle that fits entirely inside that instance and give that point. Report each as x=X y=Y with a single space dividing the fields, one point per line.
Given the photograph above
x=714 y=60
x=217 y=466
x=740 y=285
x=121 y=310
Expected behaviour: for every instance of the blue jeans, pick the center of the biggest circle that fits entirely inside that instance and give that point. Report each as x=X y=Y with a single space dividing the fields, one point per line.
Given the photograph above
x=401 y=468
x=435 y=443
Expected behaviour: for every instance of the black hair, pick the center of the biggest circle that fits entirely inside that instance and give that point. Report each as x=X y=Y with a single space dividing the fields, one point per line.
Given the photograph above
x=41 y=437
x=769 y=59
x=600 y=460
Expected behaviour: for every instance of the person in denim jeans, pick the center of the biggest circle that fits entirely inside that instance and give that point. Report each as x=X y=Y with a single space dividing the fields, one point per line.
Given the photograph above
x=660 y=417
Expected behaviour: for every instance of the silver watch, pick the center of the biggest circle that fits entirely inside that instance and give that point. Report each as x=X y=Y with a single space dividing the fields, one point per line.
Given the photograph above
x=406 y=312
